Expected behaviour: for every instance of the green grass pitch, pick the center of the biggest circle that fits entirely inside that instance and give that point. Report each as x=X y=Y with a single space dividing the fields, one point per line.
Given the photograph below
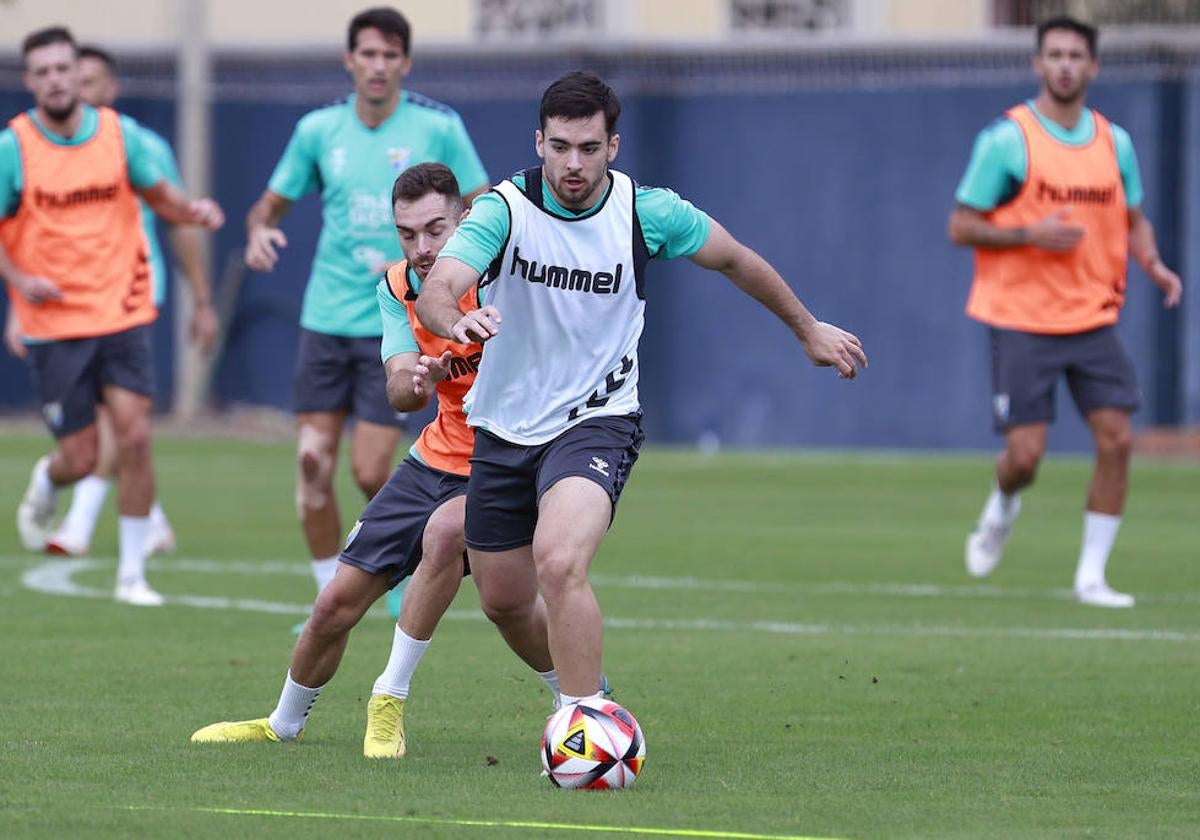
x=795 y=633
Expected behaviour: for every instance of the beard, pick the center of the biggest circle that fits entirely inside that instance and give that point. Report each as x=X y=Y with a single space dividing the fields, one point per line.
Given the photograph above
x=1068 y=98
x=61 y=113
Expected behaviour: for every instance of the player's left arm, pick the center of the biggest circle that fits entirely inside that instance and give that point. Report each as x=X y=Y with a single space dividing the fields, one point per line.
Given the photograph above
x=1143 y=244
x=1143 y=247
x=149 y=180
x=825 y=344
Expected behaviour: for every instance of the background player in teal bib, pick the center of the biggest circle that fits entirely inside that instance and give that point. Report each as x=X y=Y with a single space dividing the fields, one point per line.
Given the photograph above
x=99 y=87
x=351 y=152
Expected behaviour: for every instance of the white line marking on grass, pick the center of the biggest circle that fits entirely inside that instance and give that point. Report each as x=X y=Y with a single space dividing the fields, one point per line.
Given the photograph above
x=55 y=577
x=526 y=824
x=898 y=590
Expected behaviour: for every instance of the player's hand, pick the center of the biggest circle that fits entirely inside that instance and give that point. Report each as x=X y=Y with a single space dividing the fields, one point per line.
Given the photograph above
x=1055 y=233
x=207 y=214
x=1169 y=282
x=12 y=336
x=477 y=326
x=204 y=327
x=261 y=248
x=36 y=290
x=830 y=346
x=429 y=371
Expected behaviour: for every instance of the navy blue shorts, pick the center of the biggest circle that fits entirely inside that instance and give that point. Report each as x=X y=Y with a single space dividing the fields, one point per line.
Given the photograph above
x=340 y=373
x=1026 y=368
x=387 y=537
x=70 y=374
x=508 y=479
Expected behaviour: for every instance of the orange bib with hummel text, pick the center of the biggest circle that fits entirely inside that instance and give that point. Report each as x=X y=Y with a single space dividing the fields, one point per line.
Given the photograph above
x=446 y=443
x=1039 y=291
x=79 y=225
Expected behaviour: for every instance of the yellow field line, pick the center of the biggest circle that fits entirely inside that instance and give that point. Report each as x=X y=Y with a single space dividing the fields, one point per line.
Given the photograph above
x=539 y=826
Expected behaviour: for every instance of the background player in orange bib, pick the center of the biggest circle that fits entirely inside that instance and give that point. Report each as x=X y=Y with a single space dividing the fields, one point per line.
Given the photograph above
x=75 y=258
x=1051 y=204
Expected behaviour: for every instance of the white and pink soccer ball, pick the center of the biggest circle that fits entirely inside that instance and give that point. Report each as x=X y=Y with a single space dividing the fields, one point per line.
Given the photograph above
x=594 y=744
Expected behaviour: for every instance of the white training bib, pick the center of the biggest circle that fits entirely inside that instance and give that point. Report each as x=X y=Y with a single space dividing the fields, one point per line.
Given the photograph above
x=569 y=292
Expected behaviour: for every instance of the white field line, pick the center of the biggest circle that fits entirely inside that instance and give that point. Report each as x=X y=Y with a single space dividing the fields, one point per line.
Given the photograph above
x=299 y=567
x=56 y=577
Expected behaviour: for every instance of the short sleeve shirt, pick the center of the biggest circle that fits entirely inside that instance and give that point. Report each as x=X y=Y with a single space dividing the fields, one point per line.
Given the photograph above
x=164 y=158
x=999 y=160
x=353 y=168
x=143 y=165
x=673 y=226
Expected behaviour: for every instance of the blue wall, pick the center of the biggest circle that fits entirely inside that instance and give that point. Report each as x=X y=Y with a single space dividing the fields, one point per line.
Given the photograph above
x=845 y=191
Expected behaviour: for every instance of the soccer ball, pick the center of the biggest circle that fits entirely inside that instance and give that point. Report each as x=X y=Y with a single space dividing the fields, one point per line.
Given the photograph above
x=594 y=744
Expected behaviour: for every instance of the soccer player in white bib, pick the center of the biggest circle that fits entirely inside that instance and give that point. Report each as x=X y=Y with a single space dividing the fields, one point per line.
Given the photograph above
x=351 y=152
x=563 y=249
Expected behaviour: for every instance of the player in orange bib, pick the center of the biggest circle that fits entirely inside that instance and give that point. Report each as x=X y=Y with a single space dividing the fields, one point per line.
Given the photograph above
x=74 y=256
x=1051 y=204
x=414 y=524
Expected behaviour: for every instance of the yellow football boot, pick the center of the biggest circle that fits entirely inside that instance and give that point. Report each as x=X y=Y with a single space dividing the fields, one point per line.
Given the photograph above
x=385 y=728
x=237 y=732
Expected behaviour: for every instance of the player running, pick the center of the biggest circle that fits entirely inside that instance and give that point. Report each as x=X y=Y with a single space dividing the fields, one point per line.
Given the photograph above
x=99 y=87
x=414 y=525
x=75 y=259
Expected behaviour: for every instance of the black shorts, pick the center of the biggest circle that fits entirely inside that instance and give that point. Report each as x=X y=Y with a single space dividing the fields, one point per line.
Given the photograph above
x=1026 y=368
x=70 y=374
x=508 y=479
x=387 y=536
x=340 y=373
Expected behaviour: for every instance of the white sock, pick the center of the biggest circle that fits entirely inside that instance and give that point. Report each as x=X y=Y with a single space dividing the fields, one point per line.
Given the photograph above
x=323 y=572
x=550 y=678
x=568 y=699
x=132 y=532
x=401 y=665
x=1001 y=509
x=1099 y=534
x=86 y=502
x=157 y=517
x=295 y=702
x=42 y=484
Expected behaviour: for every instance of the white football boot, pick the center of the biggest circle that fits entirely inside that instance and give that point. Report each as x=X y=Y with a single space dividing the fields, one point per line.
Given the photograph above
x=1100 y=594
x=35 y=514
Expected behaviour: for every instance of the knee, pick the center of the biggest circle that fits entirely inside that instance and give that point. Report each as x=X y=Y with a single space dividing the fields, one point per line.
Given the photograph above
x=133 y=441
x=1024 y=461
x=370 y=476
x=442 y=546
x=314 y=460
x=332 y=615
x=1115 y=444
x=558 y=571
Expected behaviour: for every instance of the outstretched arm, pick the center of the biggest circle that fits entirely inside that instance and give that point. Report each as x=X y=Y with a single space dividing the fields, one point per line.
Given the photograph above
x=173 y=206
x=437 y=305
x=1143 y=247
x=825 y=344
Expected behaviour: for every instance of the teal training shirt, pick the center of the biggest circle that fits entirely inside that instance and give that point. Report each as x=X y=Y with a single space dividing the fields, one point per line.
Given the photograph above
x=160 y=150
x=397 y=330
x=999 y=158
x=673 y=226
x=353 y=167
x=144 y=170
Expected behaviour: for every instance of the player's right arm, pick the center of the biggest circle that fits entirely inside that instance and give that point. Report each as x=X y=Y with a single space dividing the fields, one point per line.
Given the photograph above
x=994 y=173
x=33 y=289
x=263 y=236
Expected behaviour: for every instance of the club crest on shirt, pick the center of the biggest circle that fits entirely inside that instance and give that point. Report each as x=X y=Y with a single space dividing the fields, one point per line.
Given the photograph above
x=399 y=158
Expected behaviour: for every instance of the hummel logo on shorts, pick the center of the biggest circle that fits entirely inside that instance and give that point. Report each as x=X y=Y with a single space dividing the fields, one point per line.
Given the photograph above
x=599 y=465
